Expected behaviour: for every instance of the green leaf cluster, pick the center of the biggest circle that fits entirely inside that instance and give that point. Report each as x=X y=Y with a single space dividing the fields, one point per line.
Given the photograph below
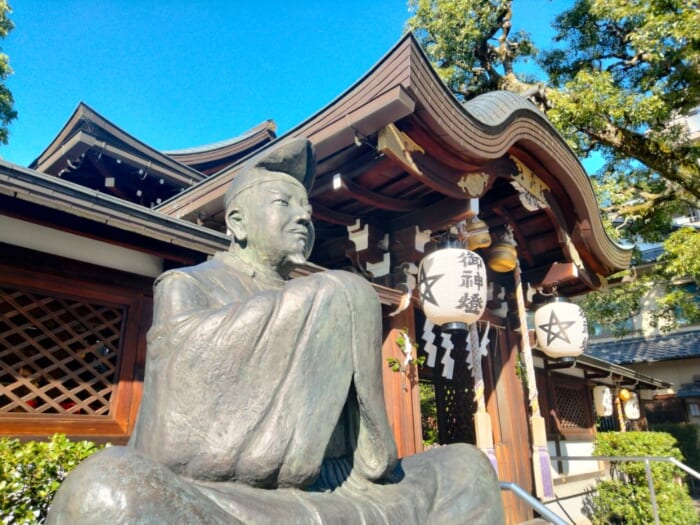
x=624 y=73
x=7 y=101
x=428 y=411
x=625 y=498
x=471 y=44
x=662 y=291
x=612 y=307
x=31 y=472
x=682 y=255
x=687 y=436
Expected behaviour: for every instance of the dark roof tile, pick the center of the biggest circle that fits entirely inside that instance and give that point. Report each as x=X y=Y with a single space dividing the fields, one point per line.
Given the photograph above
x=678 y=345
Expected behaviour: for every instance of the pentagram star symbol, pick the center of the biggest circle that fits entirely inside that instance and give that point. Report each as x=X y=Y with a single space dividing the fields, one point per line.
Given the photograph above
x=426 y=284
x=556 y=329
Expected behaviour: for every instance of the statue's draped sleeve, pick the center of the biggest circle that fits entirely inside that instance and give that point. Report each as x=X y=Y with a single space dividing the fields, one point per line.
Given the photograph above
x=251 y=385
x=250 y=390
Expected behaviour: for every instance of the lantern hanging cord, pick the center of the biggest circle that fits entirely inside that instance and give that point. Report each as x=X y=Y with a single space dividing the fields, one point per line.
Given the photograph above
x=483 y=322
x=448 y=237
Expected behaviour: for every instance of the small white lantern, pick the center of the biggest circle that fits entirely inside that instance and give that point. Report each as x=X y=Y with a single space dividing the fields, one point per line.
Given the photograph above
x=631 y=407
x=452 y=286
x=561 y=328
x=603 y=401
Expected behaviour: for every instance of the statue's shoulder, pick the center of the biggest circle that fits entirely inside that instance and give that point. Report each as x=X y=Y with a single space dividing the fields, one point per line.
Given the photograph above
x=201 y=276
x=211 y=282
x=200 y=272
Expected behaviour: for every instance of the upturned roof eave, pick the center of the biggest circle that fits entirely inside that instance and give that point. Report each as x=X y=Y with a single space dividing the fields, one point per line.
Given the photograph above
x=415 y=90
x=84 y=113
x=214 y=186
x=208 y=152
x=476 y=134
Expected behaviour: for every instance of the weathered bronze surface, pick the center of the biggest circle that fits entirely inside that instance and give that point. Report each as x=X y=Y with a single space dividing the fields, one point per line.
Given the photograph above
x=263 y=396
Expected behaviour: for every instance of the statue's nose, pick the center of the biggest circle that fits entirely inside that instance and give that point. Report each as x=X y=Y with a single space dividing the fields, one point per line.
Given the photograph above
x=304 y=214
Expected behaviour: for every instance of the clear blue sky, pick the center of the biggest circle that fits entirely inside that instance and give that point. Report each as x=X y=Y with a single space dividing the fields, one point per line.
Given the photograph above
x=177 y=73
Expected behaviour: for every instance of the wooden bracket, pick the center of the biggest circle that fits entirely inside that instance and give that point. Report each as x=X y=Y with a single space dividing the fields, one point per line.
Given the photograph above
x=398 y=146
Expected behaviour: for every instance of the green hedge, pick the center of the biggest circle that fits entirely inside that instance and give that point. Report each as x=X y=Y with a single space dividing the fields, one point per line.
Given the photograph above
x=31 y=472
x=626 y=498
x=688 y=440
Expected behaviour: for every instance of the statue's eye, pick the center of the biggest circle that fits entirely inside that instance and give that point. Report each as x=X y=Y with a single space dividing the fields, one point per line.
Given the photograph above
x=281 y=202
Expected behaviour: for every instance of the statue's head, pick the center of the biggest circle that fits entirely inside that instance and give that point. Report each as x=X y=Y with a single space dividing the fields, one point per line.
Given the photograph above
x=267 y=206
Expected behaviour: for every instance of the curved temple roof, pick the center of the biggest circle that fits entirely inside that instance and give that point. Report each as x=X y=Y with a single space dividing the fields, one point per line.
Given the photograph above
x=92 y=151
x=88 y=129
x=444 y=147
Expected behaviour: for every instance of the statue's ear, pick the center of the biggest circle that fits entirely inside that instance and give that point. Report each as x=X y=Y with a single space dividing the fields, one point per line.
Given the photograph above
x=235 y=222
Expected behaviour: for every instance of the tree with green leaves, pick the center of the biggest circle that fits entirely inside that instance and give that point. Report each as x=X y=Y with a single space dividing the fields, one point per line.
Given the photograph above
x=7 y=102
x=617 y=81
x=472 y=46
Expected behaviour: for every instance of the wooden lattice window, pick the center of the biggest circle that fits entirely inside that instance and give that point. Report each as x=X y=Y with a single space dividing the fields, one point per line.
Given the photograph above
x=454 y=399
x=58 y=355
x=573 y=407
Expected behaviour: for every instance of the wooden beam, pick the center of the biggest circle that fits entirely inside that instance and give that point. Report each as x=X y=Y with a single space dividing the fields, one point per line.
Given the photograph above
x=408 y=244
x=376 y=199
x=438 y=177
x=560 y=273
x=438 y=216
x=596 y=375
x=568 y=247
x=334 y=217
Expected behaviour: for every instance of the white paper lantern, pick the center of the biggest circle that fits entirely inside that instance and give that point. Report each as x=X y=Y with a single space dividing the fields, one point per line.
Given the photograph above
x=603 y=401
x=452 y=286
x=561 y=328
x=631 y=407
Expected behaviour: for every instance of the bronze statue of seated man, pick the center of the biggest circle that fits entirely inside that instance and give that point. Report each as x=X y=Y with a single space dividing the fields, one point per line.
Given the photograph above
x=263 y=396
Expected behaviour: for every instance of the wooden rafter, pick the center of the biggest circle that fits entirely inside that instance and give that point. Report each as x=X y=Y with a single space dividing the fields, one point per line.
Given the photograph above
x=437 y=216
x=334 y=217
x=377 y=200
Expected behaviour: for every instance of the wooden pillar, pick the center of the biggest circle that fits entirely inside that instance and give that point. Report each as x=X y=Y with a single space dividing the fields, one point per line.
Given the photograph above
x=541 y=467
x=507 y=406
x=401 y=391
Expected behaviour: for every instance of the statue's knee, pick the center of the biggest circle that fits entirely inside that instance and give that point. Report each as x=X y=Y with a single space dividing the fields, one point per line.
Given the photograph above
x=103 y=488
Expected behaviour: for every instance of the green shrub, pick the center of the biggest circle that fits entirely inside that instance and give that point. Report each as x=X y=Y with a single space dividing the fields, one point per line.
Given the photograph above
x=625 y=498
x=31 y=472
x=688 y=440
x=428 y=411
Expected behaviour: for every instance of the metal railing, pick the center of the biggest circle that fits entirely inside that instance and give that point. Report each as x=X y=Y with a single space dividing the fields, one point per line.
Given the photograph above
x=647 y=468
x=536 y=504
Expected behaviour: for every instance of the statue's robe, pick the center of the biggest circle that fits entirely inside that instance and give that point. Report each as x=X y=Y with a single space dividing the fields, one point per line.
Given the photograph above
x=263 y=403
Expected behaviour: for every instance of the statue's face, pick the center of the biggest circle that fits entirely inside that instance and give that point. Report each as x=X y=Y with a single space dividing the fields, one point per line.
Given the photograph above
x=277 y=221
